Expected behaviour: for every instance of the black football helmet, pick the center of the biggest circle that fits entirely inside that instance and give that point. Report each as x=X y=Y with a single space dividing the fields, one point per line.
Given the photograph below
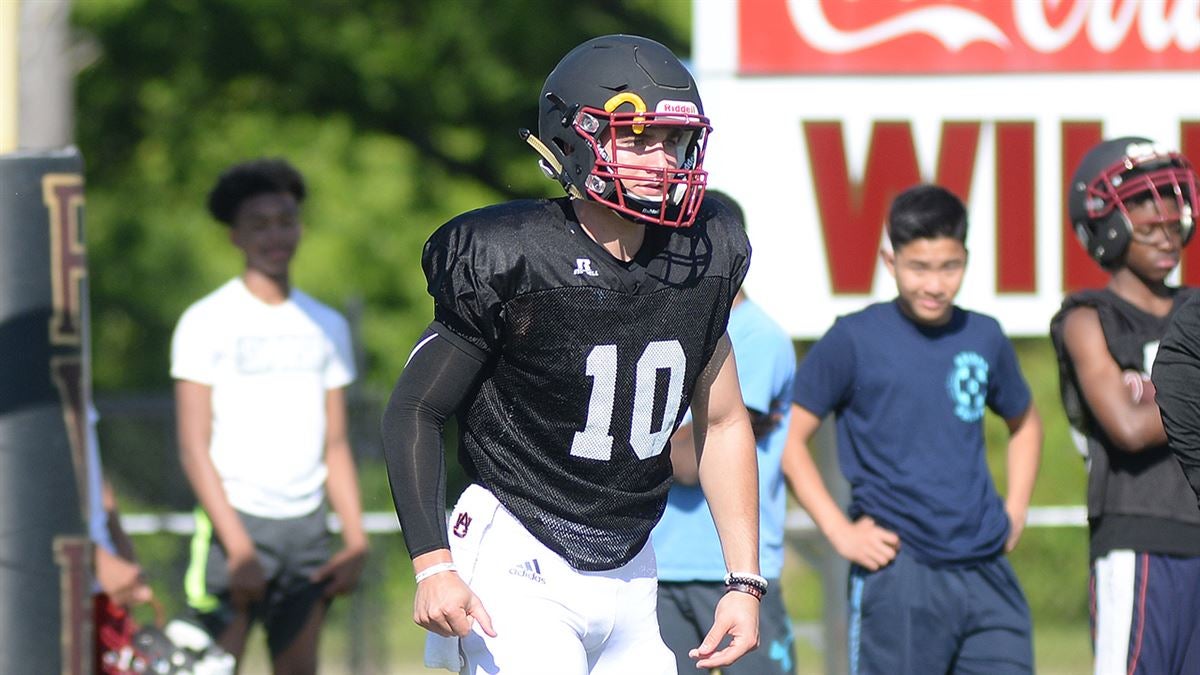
x=615 y=82
x=1114 y=172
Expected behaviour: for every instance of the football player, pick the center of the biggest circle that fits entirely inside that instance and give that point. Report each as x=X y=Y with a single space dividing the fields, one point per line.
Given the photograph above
x=1132 y=203
x=1176 y=372
x=570 y=335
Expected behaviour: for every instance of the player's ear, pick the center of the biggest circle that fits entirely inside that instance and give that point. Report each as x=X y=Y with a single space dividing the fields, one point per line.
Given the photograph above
x=886 y=254
x=888 y=258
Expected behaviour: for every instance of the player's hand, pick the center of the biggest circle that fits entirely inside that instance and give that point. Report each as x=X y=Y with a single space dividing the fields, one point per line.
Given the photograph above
x=1016 y=519
x=737 y=617
x=342 y=572
x=247 y=581
x=866 y=544
x=121 y=579
x=445 y=605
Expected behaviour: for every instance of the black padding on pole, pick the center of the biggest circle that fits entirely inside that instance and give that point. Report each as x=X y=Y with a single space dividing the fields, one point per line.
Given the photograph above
x=44 y=394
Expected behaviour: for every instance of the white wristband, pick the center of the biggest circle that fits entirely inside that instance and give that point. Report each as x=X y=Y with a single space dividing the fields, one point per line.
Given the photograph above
x=729 y=578
x=435 y=569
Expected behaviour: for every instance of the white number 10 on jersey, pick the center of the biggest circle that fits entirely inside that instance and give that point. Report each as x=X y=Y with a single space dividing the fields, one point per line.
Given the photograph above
x=594 y=442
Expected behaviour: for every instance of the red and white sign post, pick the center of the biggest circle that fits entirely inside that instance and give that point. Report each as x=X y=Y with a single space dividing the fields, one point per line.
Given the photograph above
x=825 y=109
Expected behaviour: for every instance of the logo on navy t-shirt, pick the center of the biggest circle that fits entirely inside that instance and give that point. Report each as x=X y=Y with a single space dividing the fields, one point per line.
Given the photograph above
x=967 y=385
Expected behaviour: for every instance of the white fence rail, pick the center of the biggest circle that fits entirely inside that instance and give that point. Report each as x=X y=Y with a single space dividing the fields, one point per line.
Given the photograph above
x=384 y=522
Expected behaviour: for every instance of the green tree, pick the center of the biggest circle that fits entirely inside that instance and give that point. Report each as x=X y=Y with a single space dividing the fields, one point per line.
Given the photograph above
x=400 y=114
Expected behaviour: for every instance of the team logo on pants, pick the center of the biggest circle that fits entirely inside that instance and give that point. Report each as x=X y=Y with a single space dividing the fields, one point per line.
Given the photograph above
x=461 y=524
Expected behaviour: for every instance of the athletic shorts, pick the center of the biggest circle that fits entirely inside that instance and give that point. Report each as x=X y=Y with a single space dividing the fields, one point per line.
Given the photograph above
x=549 y=618
x=1146 y=614
x=289 y=550
x=913 y=619
x=685 y=615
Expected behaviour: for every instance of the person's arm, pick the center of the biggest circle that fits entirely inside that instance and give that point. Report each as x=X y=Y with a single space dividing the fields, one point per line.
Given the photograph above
x=193 y=411
x=1176 y=377
x=1024 y=457
x=345 y=567
x=117 y=571
x=122 y=544
x=1131 y=427
x=115 y=562
x=684 y=466
x=862 y=541
x=437 y=379
x=728 y=471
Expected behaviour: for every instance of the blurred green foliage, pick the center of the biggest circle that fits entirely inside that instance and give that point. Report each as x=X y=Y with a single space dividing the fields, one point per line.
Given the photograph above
x=400 y=115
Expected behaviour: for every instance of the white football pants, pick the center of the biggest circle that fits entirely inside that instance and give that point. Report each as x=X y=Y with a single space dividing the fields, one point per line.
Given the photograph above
x=549 y=618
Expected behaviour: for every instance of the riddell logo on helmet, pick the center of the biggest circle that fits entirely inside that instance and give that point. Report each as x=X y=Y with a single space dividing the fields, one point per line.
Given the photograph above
x=681 y=107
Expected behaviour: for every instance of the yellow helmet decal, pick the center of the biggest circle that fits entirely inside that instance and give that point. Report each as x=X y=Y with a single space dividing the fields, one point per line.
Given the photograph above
x=633 y=99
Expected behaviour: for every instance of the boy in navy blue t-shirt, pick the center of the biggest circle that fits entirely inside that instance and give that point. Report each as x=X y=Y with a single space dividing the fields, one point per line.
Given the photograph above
x=931 y=590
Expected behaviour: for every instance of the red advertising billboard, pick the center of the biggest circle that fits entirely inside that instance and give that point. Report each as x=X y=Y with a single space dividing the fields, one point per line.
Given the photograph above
x=825 y=109
x=973 y=36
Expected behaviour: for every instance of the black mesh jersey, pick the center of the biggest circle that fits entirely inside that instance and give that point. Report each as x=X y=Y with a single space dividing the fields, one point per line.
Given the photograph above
x=1136 y=500
x=591 y=362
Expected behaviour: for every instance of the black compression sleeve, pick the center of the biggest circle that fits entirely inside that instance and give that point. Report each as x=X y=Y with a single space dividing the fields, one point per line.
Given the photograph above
x=1177 y=381
x=435 y=382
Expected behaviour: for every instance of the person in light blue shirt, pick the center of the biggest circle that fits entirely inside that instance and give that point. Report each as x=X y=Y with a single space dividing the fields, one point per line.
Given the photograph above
x=691 y=569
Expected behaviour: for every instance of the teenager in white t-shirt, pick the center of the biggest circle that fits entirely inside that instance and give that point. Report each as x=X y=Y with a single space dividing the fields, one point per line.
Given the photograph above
x=260 y=371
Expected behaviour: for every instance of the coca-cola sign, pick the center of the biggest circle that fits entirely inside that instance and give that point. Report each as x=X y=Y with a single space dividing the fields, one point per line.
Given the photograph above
x=997 y=100
x=967 y=36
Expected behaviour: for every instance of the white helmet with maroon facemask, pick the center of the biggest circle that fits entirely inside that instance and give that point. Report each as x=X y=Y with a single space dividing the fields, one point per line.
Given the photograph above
x=621 y=82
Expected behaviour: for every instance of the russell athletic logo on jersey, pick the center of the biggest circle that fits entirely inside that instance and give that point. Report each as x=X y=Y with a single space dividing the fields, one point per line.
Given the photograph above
x=530 y=569
x=584 y=266
x=967 y=385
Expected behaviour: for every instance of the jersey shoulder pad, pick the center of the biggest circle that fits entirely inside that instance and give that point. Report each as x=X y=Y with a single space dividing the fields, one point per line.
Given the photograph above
x=471 y=264
x=487 y=238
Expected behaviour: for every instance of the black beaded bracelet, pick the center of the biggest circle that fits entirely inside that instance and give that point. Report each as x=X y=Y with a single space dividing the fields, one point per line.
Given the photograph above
x=745 y=588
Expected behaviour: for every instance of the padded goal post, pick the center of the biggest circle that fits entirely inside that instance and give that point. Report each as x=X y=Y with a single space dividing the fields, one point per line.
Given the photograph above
x=45 y=389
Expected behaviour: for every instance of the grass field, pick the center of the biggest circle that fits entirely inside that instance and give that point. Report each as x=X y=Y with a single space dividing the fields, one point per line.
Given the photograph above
x=386 y=640
x=1059 y=650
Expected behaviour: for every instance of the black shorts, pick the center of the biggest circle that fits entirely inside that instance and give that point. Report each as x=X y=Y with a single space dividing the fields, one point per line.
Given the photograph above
x=685 y=615
x=289 y=550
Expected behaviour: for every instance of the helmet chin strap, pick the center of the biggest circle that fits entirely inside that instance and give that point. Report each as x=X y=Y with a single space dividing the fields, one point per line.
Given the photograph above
x=549 y=163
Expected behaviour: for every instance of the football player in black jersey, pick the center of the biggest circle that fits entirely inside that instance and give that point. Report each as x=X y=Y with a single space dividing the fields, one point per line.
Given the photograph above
x=1133 y=204
x=569 y=336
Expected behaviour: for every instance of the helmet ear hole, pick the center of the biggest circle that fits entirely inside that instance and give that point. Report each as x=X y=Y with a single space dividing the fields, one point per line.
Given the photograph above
x=1111 y=239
